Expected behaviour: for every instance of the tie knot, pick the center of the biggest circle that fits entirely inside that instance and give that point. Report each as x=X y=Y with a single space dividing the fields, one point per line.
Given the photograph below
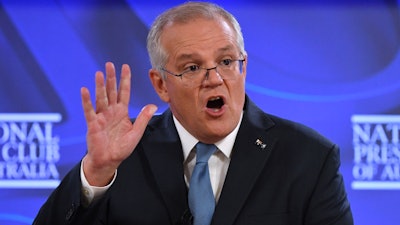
x=204 y=151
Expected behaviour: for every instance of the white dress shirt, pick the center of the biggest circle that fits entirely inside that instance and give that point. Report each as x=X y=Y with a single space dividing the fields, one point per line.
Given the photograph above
x=218 y=163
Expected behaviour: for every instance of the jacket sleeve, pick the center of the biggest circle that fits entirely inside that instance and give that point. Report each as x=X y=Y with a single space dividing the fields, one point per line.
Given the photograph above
x=64 y=204
x=329 y=204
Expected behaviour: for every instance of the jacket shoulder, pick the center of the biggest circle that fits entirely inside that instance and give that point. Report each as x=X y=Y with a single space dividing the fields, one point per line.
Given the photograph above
x=296 y=131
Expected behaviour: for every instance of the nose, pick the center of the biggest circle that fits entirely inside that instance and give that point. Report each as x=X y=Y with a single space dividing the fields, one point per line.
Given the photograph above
x=212 y=80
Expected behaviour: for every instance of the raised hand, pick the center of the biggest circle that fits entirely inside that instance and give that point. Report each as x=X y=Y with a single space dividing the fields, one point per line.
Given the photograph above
x=111 y=137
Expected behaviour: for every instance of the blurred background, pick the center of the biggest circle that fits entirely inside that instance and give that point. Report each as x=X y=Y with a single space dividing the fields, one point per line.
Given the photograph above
x=333 y=65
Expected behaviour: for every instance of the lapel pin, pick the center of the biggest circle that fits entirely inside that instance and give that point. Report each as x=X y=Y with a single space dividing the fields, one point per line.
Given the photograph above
x=260 y=144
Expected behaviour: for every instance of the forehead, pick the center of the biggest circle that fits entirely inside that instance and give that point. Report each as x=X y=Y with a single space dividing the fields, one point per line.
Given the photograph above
x=202 y=37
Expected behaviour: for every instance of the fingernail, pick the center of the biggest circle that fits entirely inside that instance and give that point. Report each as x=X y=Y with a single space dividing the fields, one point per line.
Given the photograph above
x=153 y=109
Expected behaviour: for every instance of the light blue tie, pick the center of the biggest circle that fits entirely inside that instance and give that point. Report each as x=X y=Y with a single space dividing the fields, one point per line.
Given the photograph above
x=201 y=196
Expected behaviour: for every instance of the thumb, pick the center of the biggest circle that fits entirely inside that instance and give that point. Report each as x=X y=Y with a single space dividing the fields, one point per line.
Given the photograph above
x=146 y=113
x=142 y=120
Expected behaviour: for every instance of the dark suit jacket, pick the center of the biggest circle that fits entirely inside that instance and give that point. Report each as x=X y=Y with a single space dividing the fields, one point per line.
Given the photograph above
x=294 y=180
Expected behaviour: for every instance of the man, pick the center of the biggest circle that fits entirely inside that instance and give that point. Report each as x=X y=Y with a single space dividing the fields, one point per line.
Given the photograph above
x=266 y=170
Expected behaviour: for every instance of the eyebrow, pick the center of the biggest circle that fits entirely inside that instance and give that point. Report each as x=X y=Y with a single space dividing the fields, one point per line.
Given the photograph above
x=226 y=48
x=195 y=55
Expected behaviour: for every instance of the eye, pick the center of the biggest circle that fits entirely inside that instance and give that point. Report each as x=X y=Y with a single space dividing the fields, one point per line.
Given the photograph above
x=192 y=68
x=226 y=62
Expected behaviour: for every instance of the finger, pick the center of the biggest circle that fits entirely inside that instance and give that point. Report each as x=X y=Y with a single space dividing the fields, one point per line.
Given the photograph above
x=87 y=105
x=111 y=83
x=101 y=94
x=141 y=122
x=124 y=91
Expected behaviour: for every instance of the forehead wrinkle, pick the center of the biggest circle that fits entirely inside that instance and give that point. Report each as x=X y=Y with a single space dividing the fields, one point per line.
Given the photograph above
x=187 y=56
x=196 y=48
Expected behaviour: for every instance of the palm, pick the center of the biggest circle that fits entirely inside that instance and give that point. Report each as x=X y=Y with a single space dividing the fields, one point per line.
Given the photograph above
x=111 y=137
x=108 y=133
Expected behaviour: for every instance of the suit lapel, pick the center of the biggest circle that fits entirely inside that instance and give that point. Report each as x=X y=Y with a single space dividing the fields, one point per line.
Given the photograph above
x=164 y=153
x=163 y=150
x=249 y=156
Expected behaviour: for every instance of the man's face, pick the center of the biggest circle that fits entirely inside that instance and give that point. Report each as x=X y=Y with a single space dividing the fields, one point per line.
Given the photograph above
x=211 y=109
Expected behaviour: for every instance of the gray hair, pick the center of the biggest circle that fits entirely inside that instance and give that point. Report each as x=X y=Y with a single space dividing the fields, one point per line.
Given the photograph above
x=182 y=14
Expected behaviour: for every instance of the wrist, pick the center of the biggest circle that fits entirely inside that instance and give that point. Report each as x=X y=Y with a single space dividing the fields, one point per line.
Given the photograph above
x=96 y=175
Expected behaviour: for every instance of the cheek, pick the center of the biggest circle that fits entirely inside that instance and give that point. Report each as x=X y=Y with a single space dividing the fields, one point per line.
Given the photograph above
x=237 y=87
x=181 y=98
x=184 y=107
x=237 y=93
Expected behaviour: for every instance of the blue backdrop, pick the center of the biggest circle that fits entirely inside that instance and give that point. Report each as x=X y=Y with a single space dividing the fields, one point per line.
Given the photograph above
x=333 y=66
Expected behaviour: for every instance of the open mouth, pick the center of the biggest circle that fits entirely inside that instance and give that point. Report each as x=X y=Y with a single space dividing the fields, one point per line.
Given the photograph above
x=215 y=103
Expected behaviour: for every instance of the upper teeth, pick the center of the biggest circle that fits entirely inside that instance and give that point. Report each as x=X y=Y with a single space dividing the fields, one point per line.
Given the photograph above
x=215 y=98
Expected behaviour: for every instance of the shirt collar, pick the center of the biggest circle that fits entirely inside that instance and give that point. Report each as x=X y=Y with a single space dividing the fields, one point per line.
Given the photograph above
x=188 y=141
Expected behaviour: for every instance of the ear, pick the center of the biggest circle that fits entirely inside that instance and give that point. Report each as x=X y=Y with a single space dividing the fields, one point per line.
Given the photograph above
x=159 y=84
